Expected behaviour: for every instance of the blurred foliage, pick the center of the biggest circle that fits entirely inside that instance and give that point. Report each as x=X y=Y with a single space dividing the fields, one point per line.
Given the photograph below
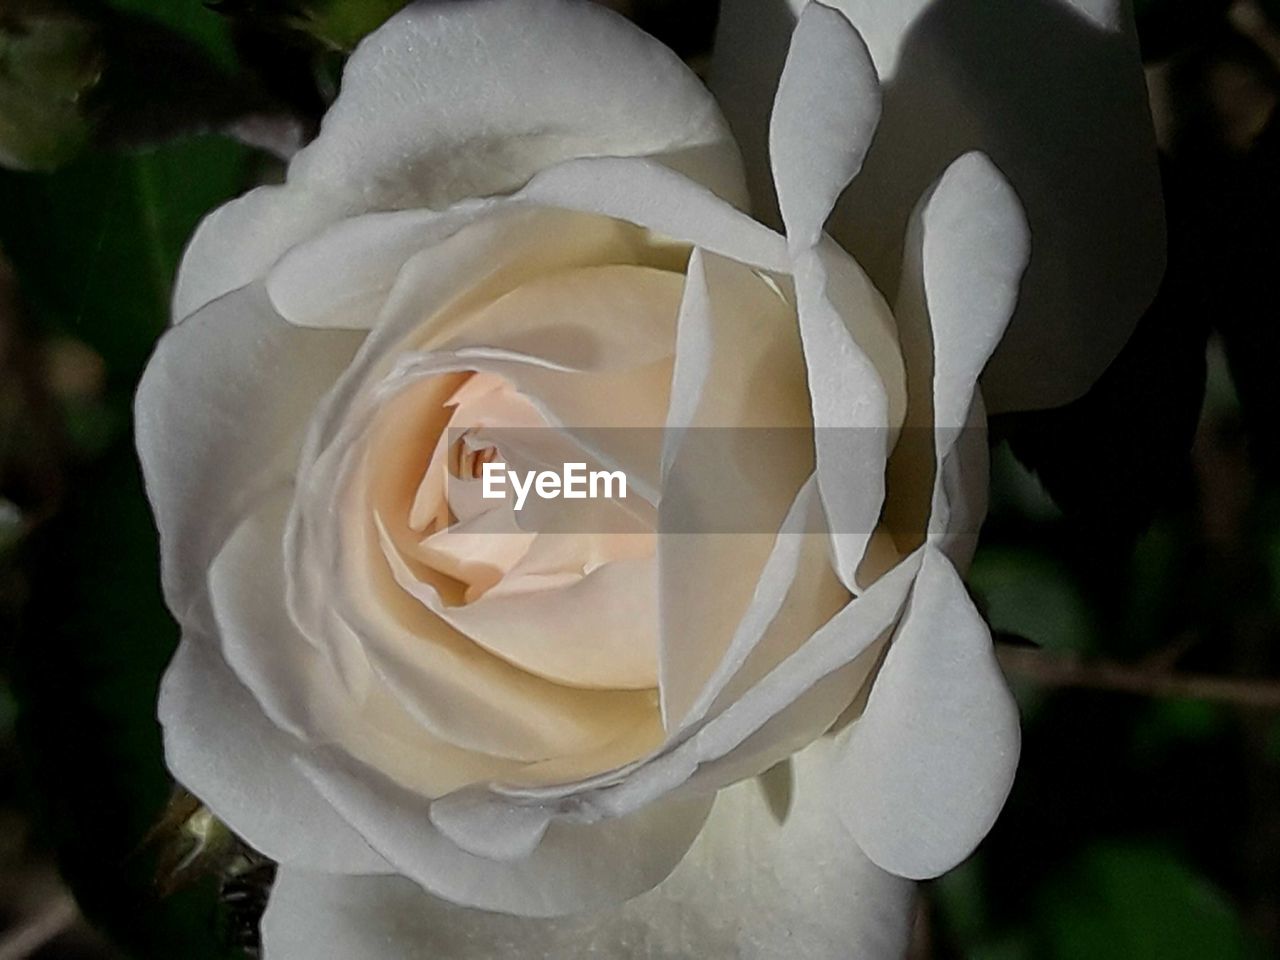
x=1031 y=595
x=47 y=65
x=85 y=678
x=1151 y=828
x=1132 y=902
x=95 y=247
x=1110 y=458
x=1140 y=524
x=134 y=74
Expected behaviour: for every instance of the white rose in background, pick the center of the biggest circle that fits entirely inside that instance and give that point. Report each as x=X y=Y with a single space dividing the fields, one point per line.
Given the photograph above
x=506 y=746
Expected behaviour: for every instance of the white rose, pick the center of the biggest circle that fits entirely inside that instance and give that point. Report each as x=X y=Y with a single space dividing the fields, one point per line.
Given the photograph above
x=467 y=744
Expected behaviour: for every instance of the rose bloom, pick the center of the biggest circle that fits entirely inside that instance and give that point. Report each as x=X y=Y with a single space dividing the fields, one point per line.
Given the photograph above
x=464 y=738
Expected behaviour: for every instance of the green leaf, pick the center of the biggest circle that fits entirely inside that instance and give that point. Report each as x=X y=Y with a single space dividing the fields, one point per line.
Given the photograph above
x=1167 y=724
x=1030 y=594
x=1016 y=495
x=1135 y=903
x=1159 y=585
x=960 y=901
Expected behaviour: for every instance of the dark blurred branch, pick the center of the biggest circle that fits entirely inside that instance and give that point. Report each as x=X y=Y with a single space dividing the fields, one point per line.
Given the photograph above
x=1065 y=670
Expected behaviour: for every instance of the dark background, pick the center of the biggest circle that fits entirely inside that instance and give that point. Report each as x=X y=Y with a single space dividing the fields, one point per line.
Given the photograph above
x=1130 y=566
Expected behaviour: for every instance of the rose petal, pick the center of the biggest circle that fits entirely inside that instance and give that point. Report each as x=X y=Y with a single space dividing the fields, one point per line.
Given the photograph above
x=483 y=824
x=645 y=193
x=930 y=763
x=238 y=242
x=429 y=115
x=967 y=247
x=597 y=633
x=322 y=282
x=796 y=590
x=297 y=687
x=850 y=414
x=350 y=605
x=966 y=251
x=338 y=277
x=219 y=415
x=1054 y=93
x=694 y=343
x=220 y=746
x=932 y=758
x=960 y=496
x=824 y=115
x=447 y=101
x=610 y=416
x=466 y=695
x=479 y=264
x=750 y=449
x=772 y=873
x=444 y=283
x=596 y=318
x=574 y=867
x=763 y=717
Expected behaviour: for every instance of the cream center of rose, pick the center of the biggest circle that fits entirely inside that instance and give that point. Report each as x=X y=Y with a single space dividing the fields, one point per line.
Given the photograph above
x=469 y=558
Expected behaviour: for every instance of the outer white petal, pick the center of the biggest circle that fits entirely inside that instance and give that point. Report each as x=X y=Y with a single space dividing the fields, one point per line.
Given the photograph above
x=573 y=867
x=932 y=758
x=824 y=116
x=296 y=685
x=825 y=113
x=965 y=253
x=219 y=414
x=1054 y=93
x=772 y=874
x=961 y=492
x=342 y=275
x=221 y=747
x=930 y=762
x=777 y=711
x=966 y=250
x=339 y=277
x=851 y=415
x=447 y=101
x=239 y=241
x=795 y=587
x=643 y=192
